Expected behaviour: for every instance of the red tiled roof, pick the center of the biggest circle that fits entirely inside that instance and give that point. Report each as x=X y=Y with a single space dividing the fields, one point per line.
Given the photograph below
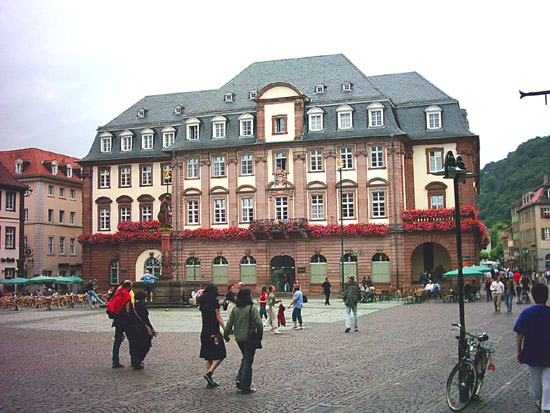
x=6 y=178
x=35 y=161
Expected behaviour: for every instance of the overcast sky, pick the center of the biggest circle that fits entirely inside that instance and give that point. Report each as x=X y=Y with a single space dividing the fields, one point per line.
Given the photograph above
x=67 y=67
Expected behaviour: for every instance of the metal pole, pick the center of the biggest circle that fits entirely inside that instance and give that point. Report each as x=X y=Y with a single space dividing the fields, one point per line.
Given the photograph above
x=462 y=339
x=342 y=230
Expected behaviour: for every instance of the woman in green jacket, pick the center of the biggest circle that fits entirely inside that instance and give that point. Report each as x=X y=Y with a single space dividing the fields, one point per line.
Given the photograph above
x=242 y=320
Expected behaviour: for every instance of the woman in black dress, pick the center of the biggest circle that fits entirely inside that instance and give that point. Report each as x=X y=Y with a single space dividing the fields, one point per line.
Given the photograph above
x=138 y=337
x=212 y=345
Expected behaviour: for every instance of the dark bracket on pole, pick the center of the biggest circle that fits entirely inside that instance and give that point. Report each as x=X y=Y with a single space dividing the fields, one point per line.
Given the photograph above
x=544 y=92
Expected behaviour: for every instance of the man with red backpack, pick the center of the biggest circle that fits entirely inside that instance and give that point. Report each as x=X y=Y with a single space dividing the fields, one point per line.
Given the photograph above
x=119 y=314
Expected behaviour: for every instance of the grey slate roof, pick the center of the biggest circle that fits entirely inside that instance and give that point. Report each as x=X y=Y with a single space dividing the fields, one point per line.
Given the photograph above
x=404 y=95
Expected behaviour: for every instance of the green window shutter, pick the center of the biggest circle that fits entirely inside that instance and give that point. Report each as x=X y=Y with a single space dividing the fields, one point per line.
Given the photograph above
x=381 y=272
x=317 y=272
x=248 y=273
x=220 y=274
x=193 y=272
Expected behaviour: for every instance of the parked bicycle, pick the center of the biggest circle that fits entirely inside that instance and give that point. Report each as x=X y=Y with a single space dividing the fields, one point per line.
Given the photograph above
x=466 y=378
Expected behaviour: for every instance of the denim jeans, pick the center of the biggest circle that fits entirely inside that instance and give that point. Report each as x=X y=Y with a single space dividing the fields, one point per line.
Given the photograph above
x=119 y=336
x=263 y=312
x=93 y=294
x=348 y=318
x=297 y=315
x=540 y=385
x=509 y=301
x=244 y=376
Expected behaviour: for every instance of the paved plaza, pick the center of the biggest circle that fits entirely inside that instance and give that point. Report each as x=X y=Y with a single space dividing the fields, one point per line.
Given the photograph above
x=399 y=361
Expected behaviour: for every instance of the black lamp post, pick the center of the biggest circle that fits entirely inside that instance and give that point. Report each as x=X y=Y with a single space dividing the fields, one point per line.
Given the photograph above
x=340 y=164
x=525 y=251
x=456 y=170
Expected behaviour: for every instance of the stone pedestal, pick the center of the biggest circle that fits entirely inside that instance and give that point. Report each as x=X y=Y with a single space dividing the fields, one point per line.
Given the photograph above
x=166 y=255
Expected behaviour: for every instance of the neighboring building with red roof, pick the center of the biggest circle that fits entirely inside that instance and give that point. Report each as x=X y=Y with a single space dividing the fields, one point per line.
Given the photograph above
x=12 y=193
x=52 y=212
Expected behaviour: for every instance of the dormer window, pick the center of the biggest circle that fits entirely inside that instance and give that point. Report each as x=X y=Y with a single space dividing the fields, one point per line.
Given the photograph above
x=315 y=117
x=320 y=89
x=55 y=167
x=141 y=113
x=252 y=94
x=18 y=166
x=246 y=123
x=376 y=115
x=106 y=142
x=228 y=97
x=168 y=136
x=126 y=141
x=69 y=171
x=345 y=117
x=527 y=197
x=178 y=110
x=347 y=86
x=433 y=117
x=147 y=139
x=193 y=129
x=218 y=127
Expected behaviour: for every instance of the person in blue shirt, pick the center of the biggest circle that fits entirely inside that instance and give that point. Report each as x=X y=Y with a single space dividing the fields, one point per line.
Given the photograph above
x=298 y=303
x=533 y=342
x=148 y=282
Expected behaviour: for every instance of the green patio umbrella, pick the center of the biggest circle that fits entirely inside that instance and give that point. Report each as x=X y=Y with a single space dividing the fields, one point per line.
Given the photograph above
x=15 y=281
x=41 y=279
x=76 y=280
x=62 y=280
x=466 y=272
x=481 y=268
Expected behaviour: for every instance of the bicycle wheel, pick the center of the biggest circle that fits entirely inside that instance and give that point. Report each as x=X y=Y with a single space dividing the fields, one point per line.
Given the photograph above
x=460 y=385
x=481 y=366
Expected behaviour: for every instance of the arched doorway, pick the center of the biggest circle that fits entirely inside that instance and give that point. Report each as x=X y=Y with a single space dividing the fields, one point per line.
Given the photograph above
x=430 y=257
x=148 y=260
x=282 y=272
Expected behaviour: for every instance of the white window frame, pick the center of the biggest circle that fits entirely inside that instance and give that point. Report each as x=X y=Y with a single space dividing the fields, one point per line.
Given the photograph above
x=55 y=167
x=247 y=209
x=244 y=130
x=106 y=142
x=125 y=213
x=146 y=175
x=72 y=194
x=281 y=208
x=315 y=119
x=62 y=192
x=192 y=168
x=72 y=217
x=228 y=97
x=347 y=86
x=318 y=206
x=435 y=161
x=178 y=110
x=193 y=212
x=343 y=112
x=346 y=154
x=320 y=89
x=72 y=246
x=220 y=211
x=62 y=250
x=348 y=205
x=247 y=164
x=125 y=177
x=168 y=136
x=10 y=201
x=546 y=234
x=146 y=212
x=9 y=238
x=377 y=156
x=51 y=190
x=434 y=119
x=280 y=159
x=376 y=115
x=437 y=201
x=104 y=178
x=147 y=142
x=219 y=166
x=18 y=167
x=26 y=215
x=126 y=141
x=219 y=127
x=69 y=171
x=378 y=206
x=252 y=94
x=51 y=245
x=193 y=129
x=316 y=160
x=104 y=219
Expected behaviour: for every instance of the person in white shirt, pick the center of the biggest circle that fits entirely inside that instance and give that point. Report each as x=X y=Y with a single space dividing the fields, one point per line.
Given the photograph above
x=497 y=289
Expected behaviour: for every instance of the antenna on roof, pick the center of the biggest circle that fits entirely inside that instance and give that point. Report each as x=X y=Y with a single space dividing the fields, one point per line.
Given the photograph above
x=544 y=92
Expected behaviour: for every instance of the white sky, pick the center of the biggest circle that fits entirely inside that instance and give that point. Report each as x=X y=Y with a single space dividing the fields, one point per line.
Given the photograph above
x=68 y=66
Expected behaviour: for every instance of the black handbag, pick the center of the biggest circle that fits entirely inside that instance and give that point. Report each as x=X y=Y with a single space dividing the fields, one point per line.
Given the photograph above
x=254 y=339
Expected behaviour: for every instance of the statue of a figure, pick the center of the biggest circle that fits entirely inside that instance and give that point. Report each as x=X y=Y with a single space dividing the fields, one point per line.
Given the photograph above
x=165 y=213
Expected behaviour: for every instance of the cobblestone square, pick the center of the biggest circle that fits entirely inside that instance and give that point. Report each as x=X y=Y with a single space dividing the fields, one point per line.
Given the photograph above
x=399 y=361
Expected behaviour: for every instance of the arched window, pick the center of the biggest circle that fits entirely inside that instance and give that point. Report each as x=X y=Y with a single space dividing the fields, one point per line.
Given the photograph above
x=153 y=266
x=193 y=269
x=220 y=271
x=380 y=265
x=317 y=269
x=380 y=257
x=350 y=258
x=248 y=270
x=114 y=272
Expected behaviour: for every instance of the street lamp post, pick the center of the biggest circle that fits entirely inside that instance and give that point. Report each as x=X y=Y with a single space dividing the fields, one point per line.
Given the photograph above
x=340 y=163
x=525 y=251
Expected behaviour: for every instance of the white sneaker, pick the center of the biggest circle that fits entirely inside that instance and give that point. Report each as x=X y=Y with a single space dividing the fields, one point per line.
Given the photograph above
x=277 y=331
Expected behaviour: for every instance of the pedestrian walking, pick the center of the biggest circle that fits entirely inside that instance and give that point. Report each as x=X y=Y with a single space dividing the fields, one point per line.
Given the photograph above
x=230 y=298
x=326 y=289
x=487 y=287
x=140 y=331
x=497 y=290
x=148 y=283
x=92 y=295
x=509 y=293
x=533 y=342
x=212 y=346
x=352 y=295
x=119 y=314
x=298 y=303
x=263 y=301
x=245 y=319
x=271 y=311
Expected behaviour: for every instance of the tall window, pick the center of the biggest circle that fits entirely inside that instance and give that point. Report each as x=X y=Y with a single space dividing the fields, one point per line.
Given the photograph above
x=9 y=238
x=114 y=272
x=345 y=117
x=347 y=156
x=104 y=178
x=193 y=168
x=192 y=212
x=435 y=160
x=50 y=215
x=55 y=168
x=72 y=194
x=376 y=115
x=10 y=201
x=219 y=211
x=193 y=132
x=280 y=160
x=146 y=175
x=281 y=208
x=246 y=122
x=26 y=215
x=147 y=141
x=246 y=165
x=61 y=192
x=125 y=213
x=51 y=246
x=433 y=117
x=379 y=204
x=69 y=171
x=146 y=213
x=50 y=190
x=317 y=207
x=348 y=206
x=377 y=157
x=219 y=166
x=315 y=119
x=247 y=208
x=61 y=217
x=125 y=176
x=19 y=167
x=437 y=201
x=126 y=143
x=316 y=160
x=73 y=218
x=218 y=127
x=104 y=219
x=62 y=246
x=105 y=144
x=279 y=124
x=168 y=139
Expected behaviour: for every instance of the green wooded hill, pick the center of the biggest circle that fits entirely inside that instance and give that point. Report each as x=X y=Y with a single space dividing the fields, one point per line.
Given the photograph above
x=505 y=181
